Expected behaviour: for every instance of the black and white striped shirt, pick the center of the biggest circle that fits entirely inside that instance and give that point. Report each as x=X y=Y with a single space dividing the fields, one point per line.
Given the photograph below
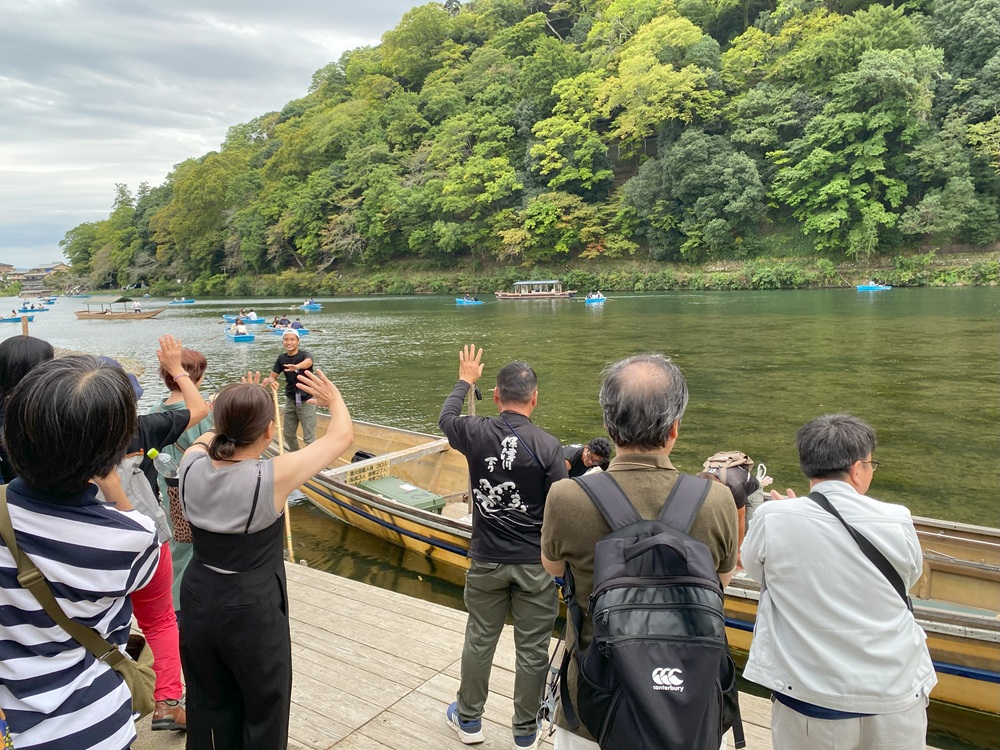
x=55 y=694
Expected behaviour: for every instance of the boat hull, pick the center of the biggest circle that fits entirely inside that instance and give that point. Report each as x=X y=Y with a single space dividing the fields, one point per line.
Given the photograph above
x=459 y=301
x=18 y=319
x=246 y=321
x=536 y=295
x=964 y=642
x=88 y=315
x=311 y=308
x=873 y=288
x=281 y=331
x=182 y=302
x=240 y=338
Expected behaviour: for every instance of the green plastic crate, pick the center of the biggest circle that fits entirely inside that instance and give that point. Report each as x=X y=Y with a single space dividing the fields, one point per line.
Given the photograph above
x=395 y=488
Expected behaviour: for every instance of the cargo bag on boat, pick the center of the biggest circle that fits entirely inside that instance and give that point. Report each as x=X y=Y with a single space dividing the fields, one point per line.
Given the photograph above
x=657 y=673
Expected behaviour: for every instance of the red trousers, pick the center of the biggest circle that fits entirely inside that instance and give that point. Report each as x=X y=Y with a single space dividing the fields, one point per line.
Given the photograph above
x=153 y=607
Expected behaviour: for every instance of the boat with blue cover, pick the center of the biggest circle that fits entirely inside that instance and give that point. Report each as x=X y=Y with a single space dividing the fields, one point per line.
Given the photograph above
x=239 y=337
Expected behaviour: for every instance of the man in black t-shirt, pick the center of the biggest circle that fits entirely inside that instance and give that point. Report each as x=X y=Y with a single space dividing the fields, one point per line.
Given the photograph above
x=297 y=409
x=512 y=464
x=582 y=458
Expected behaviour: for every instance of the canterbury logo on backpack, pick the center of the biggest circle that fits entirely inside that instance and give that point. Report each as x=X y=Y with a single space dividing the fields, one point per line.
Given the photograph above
x=657 y=673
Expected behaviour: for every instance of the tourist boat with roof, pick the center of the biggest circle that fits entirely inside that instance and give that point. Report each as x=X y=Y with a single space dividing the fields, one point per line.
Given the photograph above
x=106 y=310
x=551 y=289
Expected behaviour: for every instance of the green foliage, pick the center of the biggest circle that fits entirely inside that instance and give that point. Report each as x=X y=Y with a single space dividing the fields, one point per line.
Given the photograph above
x=506 y=132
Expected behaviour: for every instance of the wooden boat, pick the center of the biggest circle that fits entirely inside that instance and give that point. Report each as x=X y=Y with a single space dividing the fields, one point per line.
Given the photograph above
x=411 y=489
x=246 y=321
x=463 y=301
x=239 y=337
x=281 y=330
x=182 y=302
x=312 y=307
x=873 y=288
x=17 y=319
x=537 y=290
x=106 y=310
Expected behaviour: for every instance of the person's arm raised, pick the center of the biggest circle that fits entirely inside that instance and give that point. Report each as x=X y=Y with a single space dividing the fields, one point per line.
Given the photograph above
x=169 y=355
x=292 y=469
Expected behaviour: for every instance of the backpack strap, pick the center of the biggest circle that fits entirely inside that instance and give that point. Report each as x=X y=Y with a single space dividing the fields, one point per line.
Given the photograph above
x=608 y=497
x=684 y=501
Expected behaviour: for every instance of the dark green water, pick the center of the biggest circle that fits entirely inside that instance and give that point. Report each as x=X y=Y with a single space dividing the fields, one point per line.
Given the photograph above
x=922 y=366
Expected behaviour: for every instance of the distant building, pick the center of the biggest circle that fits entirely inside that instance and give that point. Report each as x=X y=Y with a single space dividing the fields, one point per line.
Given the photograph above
x=5 y=268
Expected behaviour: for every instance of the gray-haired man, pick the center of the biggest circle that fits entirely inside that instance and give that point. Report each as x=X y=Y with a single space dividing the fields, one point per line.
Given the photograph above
x=643 y=399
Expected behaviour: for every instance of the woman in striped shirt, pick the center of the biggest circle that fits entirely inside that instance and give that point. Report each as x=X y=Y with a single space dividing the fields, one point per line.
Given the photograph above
x=67 y=424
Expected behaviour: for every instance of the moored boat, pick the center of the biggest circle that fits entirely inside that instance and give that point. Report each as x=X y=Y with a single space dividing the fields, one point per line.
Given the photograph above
x=411 y=489
x=106 y=310
x=537 y=290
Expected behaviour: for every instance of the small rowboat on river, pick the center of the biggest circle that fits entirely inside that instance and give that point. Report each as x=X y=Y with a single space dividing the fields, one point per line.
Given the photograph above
x=411 y=489
x=312 y=307
x=32 y=309
x=281 y=330
x=463 y=301
x=105 y=310
x=240 y=337
x=182 y=301
x=17 y=319
x=596 y=299
x=246 y=321
x=537 y=290
x=873 y=288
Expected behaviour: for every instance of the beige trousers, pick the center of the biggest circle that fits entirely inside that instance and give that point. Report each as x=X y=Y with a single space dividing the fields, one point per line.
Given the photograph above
x=902 y=730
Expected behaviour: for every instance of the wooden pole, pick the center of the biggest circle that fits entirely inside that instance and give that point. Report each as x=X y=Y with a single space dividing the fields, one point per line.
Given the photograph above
x=279 y=422
x=24 y=325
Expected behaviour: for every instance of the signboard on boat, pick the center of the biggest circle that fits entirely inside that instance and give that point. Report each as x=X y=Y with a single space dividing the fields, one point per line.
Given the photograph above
x=379 y=470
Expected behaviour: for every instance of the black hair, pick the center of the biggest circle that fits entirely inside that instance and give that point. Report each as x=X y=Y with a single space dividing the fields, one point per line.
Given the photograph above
x=516 y=383
x=242 y=413
x=829 y=445
x=18 y=356
x=600 y=447
x=67 y=421
x=642 y=397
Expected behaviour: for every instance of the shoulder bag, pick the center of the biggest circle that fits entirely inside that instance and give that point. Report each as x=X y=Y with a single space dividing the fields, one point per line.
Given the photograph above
x=138 y=674
x=870 y=550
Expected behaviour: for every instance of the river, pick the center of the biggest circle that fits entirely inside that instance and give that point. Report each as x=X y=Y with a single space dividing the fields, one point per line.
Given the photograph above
x=921 y=365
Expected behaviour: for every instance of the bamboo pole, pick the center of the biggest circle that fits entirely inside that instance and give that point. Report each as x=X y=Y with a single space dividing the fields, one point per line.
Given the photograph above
x=279 y=422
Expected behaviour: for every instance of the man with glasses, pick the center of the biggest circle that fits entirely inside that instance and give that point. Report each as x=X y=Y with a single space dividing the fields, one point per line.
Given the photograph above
x=834 y=640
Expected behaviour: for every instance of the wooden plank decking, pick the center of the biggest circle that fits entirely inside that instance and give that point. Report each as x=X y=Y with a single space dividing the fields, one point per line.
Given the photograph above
x=375 y=670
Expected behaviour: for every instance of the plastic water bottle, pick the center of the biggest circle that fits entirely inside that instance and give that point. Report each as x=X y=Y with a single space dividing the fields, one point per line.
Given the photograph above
x=163 y=463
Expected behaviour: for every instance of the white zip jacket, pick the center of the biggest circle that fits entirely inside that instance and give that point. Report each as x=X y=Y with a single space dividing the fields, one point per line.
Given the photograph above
x=830 y=629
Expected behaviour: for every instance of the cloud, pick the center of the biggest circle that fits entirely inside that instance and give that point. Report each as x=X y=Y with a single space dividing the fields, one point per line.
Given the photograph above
x=97 y=92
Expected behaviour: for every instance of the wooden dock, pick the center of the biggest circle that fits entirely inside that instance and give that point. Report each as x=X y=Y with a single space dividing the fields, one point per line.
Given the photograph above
x=375 y=670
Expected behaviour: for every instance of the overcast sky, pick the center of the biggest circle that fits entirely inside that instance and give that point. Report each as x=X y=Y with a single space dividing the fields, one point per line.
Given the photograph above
x=95 y=92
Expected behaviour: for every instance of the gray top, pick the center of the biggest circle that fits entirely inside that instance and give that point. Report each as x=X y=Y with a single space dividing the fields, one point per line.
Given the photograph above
x=220 y=499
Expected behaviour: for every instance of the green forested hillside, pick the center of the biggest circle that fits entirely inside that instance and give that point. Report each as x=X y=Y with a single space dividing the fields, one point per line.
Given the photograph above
x=517 y=132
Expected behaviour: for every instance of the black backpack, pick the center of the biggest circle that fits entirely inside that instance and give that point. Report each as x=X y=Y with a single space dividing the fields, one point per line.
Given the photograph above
x=658 y=673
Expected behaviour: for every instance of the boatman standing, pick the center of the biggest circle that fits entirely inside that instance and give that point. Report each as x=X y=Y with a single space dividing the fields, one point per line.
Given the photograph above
x=512 y=464
x=835 y=639
x=298 y=410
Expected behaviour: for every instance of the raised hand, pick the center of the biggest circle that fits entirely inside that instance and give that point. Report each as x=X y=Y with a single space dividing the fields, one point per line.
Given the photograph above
x=470 y=367
x=169 y=354
x=317 y=385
